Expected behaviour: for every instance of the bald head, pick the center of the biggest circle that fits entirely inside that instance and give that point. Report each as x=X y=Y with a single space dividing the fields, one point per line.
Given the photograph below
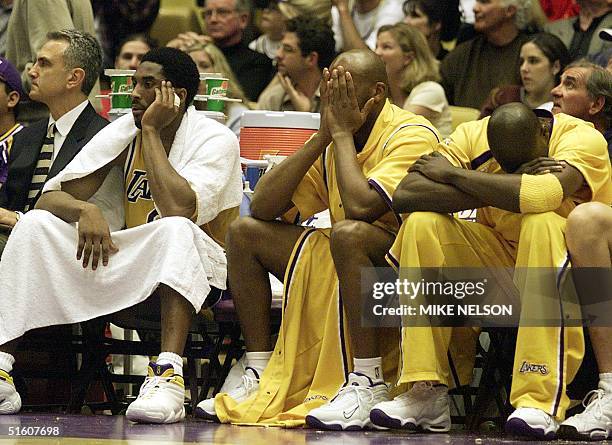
x=368 y=73
x=515 y=136
x=363 y=64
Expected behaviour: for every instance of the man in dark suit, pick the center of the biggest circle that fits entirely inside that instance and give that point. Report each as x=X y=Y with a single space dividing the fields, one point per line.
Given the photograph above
x=64 y=74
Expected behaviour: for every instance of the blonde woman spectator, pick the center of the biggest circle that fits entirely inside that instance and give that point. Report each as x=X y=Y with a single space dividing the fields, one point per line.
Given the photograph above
x=413 y=74
x=209 y=59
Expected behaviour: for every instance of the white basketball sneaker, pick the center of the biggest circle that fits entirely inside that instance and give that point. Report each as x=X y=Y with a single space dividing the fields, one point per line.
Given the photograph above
x=350 y=408
x=532 y=422
x=238 y=386
x=161 y=398
x=594 y=423
x=10 y=400
x=424 y=406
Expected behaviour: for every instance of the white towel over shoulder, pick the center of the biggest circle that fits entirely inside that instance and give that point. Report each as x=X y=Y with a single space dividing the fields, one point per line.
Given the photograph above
x=204 y=152
x=42 y=283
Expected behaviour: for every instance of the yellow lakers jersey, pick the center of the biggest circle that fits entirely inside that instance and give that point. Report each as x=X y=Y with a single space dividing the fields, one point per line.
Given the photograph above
x=572 y=140
x=138 y=202
x=396 y=141
x=140 y=206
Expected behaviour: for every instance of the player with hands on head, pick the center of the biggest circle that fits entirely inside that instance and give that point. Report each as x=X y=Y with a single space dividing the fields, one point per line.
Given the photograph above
x=351 y=167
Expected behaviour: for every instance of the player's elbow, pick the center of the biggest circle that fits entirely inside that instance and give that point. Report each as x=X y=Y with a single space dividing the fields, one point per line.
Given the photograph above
x=260 y=209
x=188 y=212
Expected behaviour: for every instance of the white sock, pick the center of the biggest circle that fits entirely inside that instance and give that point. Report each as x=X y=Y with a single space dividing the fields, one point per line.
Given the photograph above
x=258 y=360
x=6 y=361
x=170 y=358
x=605 y=381
x=372 y=367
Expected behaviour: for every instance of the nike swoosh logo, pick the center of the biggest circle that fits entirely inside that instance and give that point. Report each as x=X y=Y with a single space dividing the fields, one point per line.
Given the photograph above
x=350 y=413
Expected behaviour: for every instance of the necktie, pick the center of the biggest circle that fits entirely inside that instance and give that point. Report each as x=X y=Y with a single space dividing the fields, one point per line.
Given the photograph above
x=43 y=165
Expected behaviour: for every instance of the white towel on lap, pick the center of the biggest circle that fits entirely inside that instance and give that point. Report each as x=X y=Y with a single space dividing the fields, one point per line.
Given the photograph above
x=43 y=283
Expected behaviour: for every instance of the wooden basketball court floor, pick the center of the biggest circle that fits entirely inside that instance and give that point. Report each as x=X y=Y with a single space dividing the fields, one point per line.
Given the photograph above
x=117 y=430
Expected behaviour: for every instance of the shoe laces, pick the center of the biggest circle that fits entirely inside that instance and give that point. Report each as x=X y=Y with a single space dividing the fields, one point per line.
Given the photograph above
x=593 y=401
x=249 y=384
x=420 y=390
x=152 y=385
x=361 y=392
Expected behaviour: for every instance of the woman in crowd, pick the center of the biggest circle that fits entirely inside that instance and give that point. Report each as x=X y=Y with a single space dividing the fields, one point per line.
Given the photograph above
x=210 y=59
x=438 y=21
x=413 y=74
x=542 y=60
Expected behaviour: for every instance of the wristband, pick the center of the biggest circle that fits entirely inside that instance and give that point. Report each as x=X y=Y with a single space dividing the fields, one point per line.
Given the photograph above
x=540 y=193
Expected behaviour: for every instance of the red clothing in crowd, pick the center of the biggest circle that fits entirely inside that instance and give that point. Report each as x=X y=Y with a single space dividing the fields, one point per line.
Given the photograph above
x=559 y=9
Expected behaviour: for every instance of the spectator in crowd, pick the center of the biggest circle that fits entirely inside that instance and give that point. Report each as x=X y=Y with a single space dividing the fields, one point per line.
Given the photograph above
x=543 y=58
x=182 y=189
x=225 y=23
x=521 y=218
x=579 y=34
x=131 y=50
x=272 y=27
x=11 y=92
x=490 y=59
x=356 y=24
x=413 y=74
x=438 y=21
x=585 y=91
x=589 y=241
x=27 y=31
x=209 y=59
x=350 y=166
x=128 y=57
x=118 y=19
x=6 y=8
x=275 y=15
x=307 y=48
x=41 y=150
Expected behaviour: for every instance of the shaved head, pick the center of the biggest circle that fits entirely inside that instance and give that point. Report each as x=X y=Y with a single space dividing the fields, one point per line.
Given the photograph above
x=363 y=64
x=515 y=136
x=368 y=73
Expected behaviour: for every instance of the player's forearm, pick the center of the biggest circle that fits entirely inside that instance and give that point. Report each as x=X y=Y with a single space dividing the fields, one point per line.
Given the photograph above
x=360 y=200
x=275 y=189
x=63 y=205
x=495 y=190
x=172 y=194
x=417 y=193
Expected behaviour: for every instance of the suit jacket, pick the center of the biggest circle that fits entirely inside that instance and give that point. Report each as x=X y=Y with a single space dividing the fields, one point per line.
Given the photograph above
x=26 y=148
x=564 y=29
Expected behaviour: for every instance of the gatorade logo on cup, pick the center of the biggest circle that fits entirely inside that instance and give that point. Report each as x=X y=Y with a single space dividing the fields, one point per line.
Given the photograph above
x=220 y=90
x=126 y=87
x=123 y=85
